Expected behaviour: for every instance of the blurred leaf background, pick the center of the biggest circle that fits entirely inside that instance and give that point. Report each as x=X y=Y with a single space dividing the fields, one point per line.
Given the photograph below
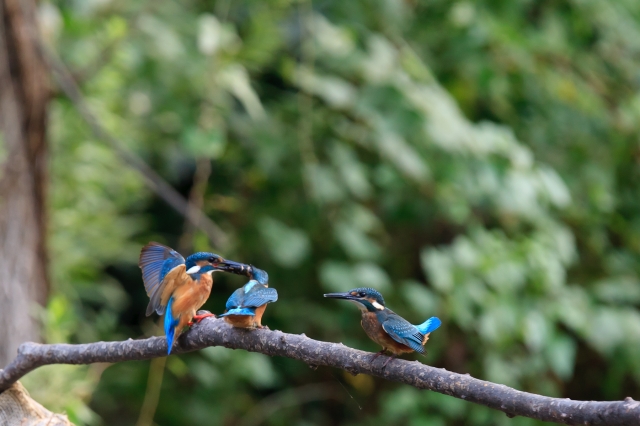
x=474 y=160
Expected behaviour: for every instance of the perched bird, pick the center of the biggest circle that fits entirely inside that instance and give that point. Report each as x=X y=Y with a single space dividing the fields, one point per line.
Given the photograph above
x=388 y=329
x=247 y=304
x=177 y=287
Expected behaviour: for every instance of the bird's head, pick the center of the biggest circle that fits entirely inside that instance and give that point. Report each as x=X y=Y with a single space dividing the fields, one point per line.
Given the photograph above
x=259 y=275
x=206 y=269
x=366 y=298
x=197 y=261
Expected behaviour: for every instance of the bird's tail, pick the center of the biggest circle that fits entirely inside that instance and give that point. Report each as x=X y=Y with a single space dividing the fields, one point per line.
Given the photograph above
x=239 y=311
x=170 y=324
x=429 y=325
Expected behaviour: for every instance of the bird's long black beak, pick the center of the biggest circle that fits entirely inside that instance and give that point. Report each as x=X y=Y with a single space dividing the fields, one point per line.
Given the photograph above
x=236 y=268
x=345 y=296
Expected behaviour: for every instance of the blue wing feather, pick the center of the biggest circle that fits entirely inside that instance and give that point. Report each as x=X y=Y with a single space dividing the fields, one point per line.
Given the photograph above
x=170 y=324
x=156 y=260
x=402 y=331
x=251 y=295
x=239 y=311
x=235 y=299
x=260 y=296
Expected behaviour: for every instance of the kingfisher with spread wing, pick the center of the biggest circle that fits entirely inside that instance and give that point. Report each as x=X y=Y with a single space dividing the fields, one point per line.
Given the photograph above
x=247 y=304
x=388 y=329
x=177 y=287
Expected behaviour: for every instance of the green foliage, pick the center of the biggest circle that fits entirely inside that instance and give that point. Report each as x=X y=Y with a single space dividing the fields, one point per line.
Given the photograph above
x=473 y=160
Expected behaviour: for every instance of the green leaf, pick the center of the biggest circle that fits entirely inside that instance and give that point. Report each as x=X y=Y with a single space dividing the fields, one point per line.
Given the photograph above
x=560 y=352
x=201 y=143
x=324 y=184
x=439 y=268
x=370 y=274
x=337 y=276
x=420 y=298
x=287 y=246
x=356 y=243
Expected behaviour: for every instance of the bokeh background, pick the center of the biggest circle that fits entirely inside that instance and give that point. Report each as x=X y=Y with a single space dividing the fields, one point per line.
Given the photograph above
x=474 y=160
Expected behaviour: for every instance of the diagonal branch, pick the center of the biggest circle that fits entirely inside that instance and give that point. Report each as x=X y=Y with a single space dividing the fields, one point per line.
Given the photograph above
x=155 y=182
x=215 y=332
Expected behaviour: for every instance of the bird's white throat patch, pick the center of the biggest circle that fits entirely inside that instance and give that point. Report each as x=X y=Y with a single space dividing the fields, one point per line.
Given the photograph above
x=377 y=306
x=193 y=269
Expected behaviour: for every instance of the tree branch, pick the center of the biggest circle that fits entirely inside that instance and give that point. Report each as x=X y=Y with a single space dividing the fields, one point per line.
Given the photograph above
x=215 y=332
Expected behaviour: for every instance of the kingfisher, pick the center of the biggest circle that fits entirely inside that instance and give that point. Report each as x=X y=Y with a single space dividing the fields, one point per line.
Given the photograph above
x=177 y=287
x=247 y=304
x=388 y=329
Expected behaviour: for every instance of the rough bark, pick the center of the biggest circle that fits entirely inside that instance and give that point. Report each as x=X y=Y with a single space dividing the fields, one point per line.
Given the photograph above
x=24 y=94
x=18 y=409
x=215 y=332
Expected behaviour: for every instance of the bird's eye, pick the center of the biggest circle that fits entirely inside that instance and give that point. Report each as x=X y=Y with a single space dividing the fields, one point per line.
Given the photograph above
x=212 y=260
x=362 y=294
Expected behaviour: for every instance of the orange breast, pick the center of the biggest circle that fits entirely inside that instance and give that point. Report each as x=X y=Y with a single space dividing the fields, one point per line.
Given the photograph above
x=247 y=321
x=190 y=296
x=259 y=312
x=376 y=333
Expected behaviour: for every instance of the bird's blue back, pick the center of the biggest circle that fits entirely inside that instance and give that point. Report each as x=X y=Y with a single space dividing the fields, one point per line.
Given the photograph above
x=402 y=331
x=235 y=299
x=156 y=261
x=260 y=296
x=247 y=298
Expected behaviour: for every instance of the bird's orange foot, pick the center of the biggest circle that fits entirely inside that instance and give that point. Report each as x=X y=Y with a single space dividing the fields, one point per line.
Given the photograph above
x=391 y=358
x=200 y=316
x=377 y=354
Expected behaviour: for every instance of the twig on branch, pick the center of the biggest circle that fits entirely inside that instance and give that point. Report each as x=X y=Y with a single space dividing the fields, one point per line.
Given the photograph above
x=215 y=332
x=196 y=200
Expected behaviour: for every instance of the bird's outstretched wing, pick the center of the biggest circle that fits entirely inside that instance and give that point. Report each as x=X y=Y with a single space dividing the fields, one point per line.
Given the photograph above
x=259 y=297
x=157 y=262
x=402 y=331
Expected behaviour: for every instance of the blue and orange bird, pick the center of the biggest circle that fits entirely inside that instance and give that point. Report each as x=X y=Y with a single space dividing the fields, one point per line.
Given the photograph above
x=388 y=329
x=247 y=304
x=177 y=287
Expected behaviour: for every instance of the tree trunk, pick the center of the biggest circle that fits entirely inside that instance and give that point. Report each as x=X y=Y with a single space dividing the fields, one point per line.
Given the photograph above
x=24 y=94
